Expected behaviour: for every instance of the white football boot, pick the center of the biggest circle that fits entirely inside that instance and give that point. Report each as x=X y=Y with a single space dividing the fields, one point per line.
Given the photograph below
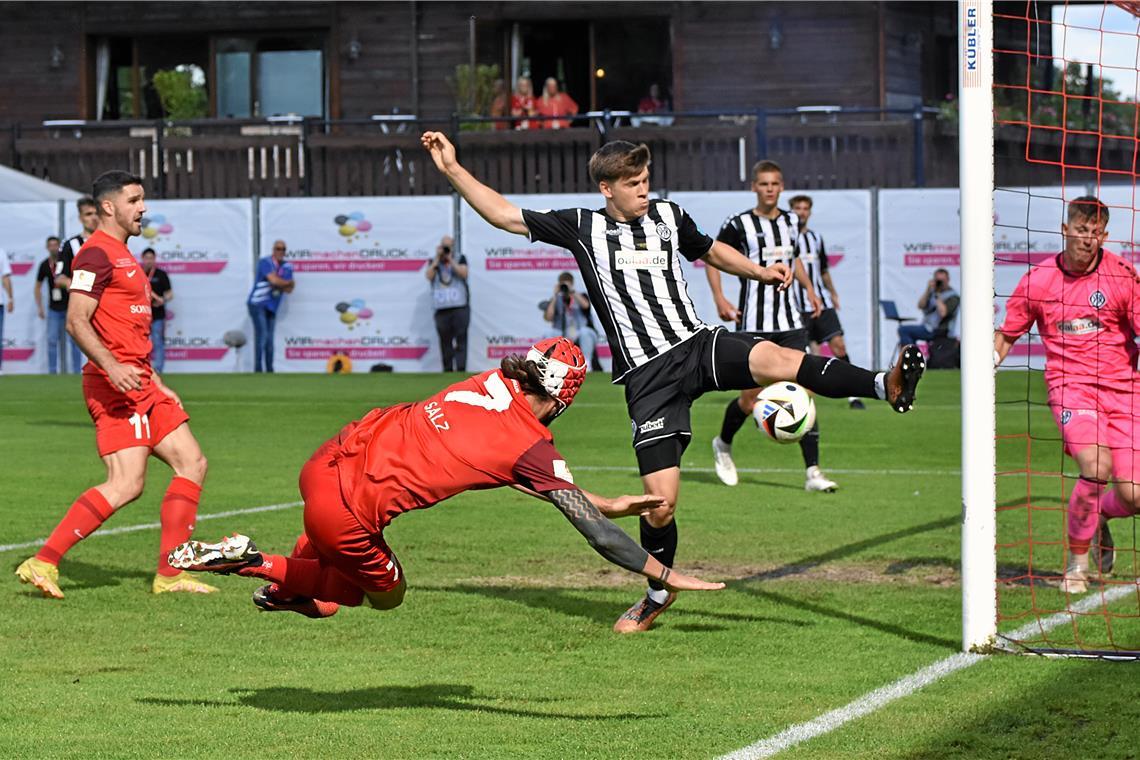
x=722 y=458
x=816 y=481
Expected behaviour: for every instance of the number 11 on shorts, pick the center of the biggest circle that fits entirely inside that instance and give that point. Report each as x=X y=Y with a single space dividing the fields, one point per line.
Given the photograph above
x=140 y=422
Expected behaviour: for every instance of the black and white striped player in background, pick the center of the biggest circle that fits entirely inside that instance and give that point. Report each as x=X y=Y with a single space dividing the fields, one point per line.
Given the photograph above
x=666 y=357
x=766 y=234
x=813 y=253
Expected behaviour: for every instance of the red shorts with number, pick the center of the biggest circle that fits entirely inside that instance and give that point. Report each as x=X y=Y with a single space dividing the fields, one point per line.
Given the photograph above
x=122 y=421
x=335 y=532
x=1088 y=416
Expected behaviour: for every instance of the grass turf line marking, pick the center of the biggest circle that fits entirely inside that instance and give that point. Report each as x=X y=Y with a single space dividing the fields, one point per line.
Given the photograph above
x=774 y=470
x=907 y=685
x=151 y=526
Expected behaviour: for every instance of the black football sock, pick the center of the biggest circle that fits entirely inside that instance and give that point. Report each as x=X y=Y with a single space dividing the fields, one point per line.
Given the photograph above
x=835 y=379
x=734 y=418
x=809 y=446
x=661 y=543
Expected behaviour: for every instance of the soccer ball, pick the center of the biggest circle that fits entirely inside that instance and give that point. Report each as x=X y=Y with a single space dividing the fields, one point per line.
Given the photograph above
x=785 y=411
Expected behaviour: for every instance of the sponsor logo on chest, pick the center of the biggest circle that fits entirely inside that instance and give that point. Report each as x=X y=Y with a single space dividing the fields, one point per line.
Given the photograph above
x=1082 y=326
x=772 y=253
x=627 y=260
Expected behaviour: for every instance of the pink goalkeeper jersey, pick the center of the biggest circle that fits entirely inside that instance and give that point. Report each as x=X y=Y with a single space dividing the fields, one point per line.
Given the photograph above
x=1086 y=322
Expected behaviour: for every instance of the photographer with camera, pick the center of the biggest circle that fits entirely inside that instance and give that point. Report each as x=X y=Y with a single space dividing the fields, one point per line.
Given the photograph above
x=568 y=313
x=939 y=306
x=447 y=274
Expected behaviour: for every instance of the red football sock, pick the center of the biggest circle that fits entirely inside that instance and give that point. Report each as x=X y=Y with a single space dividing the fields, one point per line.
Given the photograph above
x=307 y=577
x=179 y=510
x=88 y=512
x=1111 y=506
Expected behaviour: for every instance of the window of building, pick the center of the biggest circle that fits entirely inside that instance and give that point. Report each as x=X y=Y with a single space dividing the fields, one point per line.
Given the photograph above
x=251 y=76
x=269 y=76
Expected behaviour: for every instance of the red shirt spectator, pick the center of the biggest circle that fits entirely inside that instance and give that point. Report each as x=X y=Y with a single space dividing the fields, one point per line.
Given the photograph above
x=500 y=105
x=653 y=102
x=522 y=104
x=555 y=103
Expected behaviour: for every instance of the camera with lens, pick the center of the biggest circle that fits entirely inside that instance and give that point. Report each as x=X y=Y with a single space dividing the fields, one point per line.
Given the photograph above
x=564 y=291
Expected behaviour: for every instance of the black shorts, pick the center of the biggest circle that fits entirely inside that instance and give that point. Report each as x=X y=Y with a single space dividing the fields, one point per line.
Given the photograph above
x=824 y=327
x=660 y=393
x=797 y=339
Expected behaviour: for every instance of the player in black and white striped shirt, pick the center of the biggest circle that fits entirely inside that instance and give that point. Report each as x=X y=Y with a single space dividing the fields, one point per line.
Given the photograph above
x=665 y=356
x=766 y=233
x=824 y=328
x=89 y=218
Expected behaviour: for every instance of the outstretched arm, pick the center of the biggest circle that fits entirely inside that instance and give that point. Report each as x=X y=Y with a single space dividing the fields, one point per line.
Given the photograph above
x=612 y=543
x=497 y=210
x=727 y=259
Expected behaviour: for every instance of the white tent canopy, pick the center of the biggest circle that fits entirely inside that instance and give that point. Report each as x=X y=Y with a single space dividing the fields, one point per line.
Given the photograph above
x=17 y=186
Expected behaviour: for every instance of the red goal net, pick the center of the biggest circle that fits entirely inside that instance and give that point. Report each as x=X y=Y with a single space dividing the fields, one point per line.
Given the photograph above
x=1066 y=127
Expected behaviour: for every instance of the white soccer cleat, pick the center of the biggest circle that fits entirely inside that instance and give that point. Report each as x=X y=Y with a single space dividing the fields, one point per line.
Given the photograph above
x=722 y=458
x=1076 y=575
x=231 y=553
x=816 y=481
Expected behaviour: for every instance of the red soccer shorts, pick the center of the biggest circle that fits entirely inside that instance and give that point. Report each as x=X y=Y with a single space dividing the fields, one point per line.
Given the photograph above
x=1088 y=416
x=142 y=418
x=335 y=532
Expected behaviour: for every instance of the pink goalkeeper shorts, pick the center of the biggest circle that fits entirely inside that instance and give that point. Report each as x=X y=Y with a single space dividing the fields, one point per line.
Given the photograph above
x=1088 y=416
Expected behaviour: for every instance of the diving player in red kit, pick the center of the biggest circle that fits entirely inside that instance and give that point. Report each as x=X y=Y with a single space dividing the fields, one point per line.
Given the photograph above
x=487 y=431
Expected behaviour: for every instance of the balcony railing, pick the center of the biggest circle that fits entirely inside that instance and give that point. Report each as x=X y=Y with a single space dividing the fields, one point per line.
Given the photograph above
x=819 y=147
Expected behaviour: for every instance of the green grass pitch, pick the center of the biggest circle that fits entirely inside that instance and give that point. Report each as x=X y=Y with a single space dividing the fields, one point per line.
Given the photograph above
x=503 y=646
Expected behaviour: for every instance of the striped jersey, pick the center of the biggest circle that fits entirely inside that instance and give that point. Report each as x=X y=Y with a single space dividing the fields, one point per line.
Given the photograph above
x=632 y=272
x=765 y=308
x=72 y=245
x=813 y=254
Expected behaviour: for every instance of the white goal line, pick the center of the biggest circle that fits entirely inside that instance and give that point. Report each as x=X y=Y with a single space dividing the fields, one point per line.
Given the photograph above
x=907 y=685
x=153 y=526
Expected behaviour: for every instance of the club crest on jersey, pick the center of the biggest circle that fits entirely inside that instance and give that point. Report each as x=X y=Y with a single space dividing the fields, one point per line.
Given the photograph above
x=1097 y=299
x=1066 y=416
x=664 y=231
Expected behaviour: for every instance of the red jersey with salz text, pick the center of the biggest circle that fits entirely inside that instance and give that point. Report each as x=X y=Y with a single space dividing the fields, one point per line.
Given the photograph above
x=478 y=433
x=105 y=270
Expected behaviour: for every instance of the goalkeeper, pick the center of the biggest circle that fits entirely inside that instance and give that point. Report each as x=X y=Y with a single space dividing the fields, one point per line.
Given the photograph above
x=1086 y=307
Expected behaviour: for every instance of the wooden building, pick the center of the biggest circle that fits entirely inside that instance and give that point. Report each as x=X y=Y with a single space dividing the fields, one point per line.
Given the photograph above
x=308 y=97
x=62 y=60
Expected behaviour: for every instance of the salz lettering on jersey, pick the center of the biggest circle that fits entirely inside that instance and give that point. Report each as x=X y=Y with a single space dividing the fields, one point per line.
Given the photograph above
x=435 y=415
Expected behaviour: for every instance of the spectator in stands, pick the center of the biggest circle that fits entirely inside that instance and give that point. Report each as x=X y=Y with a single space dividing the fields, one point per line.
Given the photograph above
x=56 y=271
x=653 y=102
x=522 y=104
x=6 y=302
x=447 y=274
x=568 y=313
x=939 y=306
x=160 y=294
x=555 y=103
x=500 y=104
x=274 y=278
